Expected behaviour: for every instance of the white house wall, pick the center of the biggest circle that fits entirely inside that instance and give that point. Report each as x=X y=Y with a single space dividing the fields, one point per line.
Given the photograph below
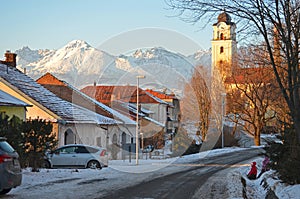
x=159 y=112
x=84 y=134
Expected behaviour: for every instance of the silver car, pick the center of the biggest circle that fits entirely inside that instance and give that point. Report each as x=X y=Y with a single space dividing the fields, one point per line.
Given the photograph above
x=10 y=169
x=77 y=156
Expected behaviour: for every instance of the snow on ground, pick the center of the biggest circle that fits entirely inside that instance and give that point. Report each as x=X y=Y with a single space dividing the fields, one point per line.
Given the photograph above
x=258 y=188
x=119 y=175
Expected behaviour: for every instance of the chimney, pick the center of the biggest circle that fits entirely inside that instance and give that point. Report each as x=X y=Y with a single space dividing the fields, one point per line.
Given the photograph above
x=10 y=59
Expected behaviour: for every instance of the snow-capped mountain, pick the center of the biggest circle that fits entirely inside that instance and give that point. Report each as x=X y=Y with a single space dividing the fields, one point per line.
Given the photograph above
x=81 y=64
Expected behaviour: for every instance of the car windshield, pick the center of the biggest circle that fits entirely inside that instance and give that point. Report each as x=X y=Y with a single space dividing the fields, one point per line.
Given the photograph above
x=4 y=146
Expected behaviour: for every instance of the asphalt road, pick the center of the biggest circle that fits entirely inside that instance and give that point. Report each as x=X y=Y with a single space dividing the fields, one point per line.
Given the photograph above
x=184 y=184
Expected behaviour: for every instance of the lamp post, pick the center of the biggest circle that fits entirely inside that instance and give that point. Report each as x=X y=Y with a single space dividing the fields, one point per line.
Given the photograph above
x=223 y=113
x=137 y=120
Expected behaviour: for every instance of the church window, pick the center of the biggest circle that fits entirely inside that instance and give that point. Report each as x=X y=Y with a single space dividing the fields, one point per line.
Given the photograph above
x=221 y=49
x=222 y=36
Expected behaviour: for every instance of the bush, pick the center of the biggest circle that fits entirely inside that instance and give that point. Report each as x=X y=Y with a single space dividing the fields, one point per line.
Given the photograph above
x=28 y=138
x=285 y=158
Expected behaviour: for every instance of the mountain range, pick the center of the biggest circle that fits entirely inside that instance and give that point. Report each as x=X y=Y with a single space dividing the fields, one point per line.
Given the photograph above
x=80 y=64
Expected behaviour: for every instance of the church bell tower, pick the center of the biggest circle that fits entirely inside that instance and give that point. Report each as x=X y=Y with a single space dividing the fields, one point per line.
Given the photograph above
x=224 y=46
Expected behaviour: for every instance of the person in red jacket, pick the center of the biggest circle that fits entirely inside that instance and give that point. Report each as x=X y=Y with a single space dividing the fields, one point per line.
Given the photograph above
x=253 y=172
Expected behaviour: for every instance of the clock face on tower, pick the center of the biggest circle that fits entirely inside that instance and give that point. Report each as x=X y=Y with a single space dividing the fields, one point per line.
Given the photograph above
x=222 y=26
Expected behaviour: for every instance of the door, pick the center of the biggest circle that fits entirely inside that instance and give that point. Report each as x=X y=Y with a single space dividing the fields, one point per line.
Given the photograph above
x=82 y=156
x=63 y=157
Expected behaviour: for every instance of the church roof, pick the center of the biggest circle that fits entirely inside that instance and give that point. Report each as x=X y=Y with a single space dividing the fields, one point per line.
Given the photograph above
x=224 y=17
x=250 y=75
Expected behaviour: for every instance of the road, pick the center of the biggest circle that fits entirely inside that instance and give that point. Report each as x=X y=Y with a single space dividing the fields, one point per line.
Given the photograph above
x=184 y=184
x=195 y=179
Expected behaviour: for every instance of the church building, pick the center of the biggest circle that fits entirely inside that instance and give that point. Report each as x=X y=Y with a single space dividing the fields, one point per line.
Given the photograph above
x=224 y=46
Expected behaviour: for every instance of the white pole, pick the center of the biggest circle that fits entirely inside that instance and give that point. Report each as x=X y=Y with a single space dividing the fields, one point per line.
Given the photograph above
x=137 y=124
x=223 y=113
x=137 y=121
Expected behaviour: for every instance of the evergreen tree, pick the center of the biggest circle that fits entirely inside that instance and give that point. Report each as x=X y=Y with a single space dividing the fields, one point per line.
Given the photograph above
x=37 y=136
x=10 y=129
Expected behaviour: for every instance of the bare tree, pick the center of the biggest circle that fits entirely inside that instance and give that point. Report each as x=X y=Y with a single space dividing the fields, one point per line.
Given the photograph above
x=263 y=18
x=196 y=101
x=253 y=92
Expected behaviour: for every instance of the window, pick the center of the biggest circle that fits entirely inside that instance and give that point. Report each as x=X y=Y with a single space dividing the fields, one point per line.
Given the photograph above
x=123 y=138
x=98 y=140
x=222 y=36
x=114 y=139
x=66 y=150
x=4 y=146
x=221 y=49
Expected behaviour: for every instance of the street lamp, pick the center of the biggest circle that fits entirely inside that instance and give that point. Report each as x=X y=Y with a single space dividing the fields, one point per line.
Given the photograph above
x=137 y=120
x=223 y=113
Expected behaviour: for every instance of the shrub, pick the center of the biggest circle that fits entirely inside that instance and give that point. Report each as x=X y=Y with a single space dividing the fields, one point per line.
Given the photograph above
x=285 y=158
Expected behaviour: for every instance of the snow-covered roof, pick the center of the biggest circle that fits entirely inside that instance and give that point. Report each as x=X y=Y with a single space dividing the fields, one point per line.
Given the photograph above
x=9 y=100
x=132 y=107
x=154 y=121
x=115 y=113
x=83 y=98
x=65 y=111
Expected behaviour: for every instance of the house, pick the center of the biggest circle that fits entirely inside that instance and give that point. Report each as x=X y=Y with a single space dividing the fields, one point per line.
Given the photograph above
x=71 y=123
x=128 y=94
x=173 y=109
x=151 y=131
x=153 y=111
x=12 y=106
x=119 y=135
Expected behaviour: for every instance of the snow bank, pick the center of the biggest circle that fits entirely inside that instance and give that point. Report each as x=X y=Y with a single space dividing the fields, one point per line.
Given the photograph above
x=259 y=188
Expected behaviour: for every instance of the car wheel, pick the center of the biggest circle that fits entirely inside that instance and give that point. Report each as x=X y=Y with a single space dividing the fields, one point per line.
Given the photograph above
x=4 y=191
x=93 y=164
x=46 y=164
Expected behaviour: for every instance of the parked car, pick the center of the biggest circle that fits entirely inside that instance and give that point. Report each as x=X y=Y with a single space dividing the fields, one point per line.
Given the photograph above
x=77 y=156
x=148 y=149
x=10 y=169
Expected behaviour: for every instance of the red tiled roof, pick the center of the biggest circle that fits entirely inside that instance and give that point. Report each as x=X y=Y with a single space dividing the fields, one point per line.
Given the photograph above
x=106 y=94
x=64 y=91
x=250 y=75
x=161 y=95
x=49 y=79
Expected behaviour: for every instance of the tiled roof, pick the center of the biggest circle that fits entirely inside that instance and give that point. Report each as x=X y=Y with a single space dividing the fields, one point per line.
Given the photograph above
x=161 y=95
x=69 y=93
x=106 y=94
x=131 y=111
x=9 y=100
x=65 y=110
x=250 y=75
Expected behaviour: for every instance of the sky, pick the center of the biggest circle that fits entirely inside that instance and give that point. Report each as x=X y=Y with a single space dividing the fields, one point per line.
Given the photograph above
x=115 y=26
